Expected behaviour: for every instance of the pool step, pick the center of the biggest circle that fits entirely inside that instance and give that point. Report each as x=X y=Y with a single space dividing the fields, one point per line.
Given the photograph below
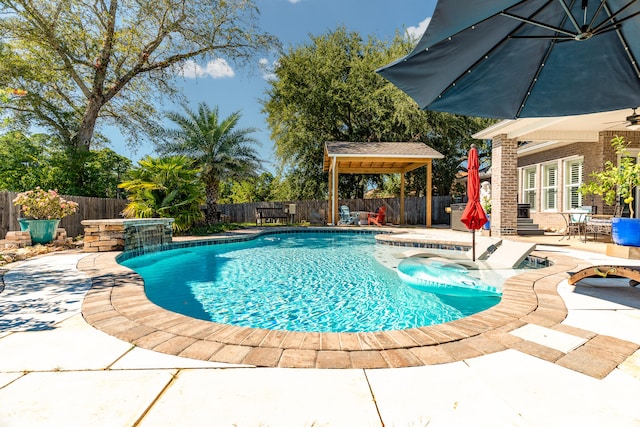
x=526 y=227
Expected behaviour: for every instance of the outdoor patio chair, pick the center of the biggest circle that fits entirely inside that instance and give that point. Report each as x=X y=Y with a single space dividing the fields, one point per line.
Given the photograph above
x=377 y=218
x=577 y=219
x=346 y=217
x=600 y=224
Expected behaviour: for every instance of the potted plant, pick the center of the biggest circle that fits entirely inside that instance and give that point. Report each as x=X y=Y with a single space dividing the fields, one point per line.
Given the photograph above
x=618 y=181
x=42 y=211
x=485 y=201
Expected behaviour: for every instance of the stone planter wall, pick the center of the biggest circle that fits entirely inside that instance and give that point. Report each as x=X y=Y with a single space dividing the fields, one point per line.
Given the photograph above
x=105 y=235
x=18 y=239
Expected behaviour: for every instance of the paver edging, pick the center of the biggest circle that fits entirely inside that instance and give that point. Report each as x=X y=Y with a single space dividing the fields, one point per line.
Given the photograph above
x=150 y=326
x=2 y=271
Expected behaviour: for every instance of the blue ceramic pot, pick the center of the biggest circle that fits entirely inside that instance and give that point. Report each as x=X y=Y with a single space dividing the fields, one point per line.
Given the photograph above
x=487 y=225
x=42 y=230
x=625 y=231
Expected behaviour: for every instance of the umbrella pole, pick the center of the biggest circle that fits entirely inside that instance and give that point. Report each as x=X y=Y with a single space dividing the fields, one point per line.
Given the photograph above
x=473 y=245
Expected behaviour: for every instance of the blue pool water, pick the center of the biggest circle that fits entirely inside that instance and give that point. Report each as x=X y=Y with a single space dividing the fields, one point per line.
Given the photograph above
x=308 y=282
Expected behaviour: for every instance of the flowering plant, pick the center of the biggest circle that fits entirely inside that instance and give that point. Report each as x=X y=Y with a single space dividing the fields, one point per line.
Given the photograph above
x=485 y=196
x=41 y=204
x=486 y=205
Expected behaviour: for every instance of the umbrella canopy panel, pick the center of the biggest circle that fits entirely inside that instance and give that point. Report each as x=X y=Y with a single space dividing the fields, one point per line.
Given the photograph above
x=534 y=58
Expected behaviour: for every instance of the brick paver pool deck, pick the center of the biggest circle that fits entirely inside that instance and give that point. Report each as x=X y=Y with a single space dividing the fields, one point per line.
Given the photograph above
x=117 y=305
x=57 y=370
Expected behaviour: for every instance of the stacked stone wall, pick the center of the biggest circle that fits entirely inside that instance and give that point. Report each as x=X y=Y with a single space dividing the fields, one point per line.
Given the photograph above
x=103 y=235
x=126 y=234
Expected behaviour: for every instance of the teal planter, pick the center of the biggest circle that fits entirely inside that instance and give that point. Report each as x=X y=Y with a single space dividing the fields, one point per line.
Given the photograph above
x=625 y=231
x=42 y=230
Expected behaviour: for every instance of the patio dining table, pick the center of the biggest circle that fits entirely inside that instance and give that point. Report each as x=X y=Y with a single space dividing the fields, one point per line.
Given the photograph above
x=574 y=223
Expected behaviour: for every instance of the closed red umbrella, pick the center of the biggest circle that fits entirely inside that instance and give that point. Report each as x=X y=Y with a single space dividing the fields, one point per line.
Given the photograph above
x=473 y=216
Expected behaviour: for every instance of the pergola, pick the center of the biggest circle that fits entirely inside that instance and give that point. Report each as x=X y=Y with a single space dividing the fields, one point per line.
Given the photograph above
x=377 y=158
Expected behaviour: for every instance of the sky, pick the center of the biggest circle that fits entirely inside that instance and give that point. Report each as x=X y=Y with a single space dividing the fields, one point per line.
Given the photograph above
x=292 y=21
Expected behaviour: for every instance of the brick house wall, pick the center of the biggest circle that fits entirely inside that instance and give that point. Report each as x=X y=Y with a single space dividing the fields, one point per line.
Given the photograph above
x=594 y=155
x=504 y=190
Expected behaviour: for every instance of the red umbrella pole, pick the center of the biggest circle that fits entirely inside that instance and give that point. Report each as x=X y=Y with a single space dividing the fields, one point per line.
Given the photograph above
x=473 y=216
x=473 y=245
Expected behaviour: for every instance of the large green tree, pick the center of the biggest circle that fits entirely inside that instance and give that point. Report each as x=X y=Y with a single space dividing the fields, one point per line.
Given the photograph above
x=82 y=60
x=103 y=169
x=218 y=148
x=25 y=162
x=252 y=189
x=40 y=160
x=328 y=90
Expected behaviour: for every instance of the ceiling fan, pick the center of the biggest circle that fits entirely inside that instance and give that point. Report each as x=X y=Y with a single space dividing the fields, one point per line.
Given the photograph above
x=633 y=121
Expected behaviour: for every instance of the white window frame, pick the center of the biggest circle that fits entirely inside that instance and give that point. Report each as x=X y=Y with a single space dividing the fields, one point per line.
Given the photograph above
x=571 y=185
x=530 y=194
x=545 y=188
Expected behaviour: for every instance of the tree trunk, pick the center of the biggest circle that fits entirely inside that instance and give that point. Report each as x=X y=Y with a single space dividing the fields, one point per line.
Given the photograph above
x=81 y=144
x=82 y=140
x=211 y=191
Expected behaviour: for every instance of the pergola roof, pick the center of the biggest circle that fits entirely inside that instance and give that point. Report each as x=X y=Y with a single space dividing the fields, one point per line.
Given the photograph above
x=378 y=157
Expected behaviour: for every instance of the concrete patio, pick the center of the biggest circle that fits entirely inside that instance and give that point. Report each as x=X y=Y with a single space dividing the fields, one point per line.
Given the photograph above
x=57 y=370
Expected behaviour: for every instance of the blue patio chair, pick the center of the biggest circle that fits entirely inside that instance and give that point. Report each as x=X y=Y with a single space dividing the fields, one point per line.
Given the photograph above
x=577 y=220
x=346 y=218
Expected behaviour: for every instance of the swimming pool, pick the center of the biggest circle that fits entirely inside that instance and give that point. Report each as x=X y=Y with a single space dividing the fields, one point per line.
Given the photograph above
x=303 y=281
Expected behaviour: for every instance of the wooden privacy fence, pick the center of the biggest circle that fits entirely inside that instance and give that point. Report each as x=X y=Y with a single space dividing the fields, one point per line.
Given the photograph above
x=98 y=208
x=414 y=209
x=89 y=208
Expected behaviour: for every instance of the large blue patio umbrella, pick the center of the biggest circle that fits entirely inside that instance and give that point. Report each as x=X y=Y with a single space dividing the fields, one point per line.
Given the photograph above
x=530 y=58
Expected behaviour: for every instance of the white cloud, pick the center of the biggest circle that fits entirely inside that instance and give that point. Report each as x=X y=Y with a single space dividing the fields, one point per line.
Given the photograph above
x=294 y=1
x=267 y=68
x=414 y=33
x=217 y=68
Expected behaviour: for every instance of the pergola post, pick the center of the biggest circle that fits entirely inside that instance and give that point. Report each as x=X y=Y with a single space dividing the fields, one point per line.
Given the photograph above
x=403 y=220
x=429 y=194
x=333 y=192
x=376 y=158
x=336 y=176
x=330 y=190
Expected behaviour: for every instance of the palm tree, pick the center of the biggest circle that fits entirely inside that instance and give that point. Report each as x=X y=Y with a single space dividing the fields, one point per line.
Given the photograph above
x=218 y=149
x=168 y=187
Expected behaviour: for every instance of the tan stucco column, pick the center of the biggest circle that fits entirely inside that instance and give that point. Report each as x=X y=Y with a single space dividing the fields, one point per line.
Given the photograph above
x=504 y=186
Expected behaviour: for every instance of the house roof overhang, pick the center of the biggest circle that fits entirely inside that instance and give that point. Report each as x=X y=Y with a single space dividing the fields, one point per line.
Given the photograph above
x=542 y=133
x=581 y=128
